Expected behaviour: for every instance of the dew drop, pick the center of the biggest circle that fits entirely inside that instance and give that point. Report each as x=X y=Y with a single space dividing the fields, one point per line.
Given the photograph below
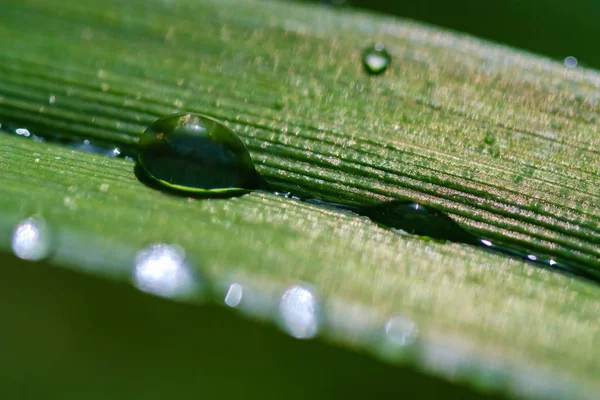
x=400 y=332
x=570 y=62
x=234 y=295
x=416 y=219
x=376 y=59
x=31 y=239
x=298 y=309
x=23 y=132
x=160 y=269
x=196 y=153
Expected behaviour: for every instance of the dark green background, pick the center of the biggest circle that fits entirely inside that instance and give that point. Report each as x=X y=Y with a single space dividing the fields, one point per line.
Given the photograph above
x=550 y=27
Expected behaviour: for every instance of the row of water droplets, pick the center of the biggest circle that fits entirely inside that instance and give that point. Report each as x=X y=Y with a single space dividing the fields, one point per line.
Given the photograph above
x=84 y=145
x=164 y=270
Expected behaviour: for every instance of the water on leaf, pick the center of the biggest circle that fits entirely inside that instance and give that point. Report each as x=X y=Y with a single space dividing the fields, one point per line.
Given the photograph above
x=416 y=219
x=161 y=269
x=299 y=312
x=196 y=153
x=31 y=239
x=376 y=59
x=234 y=295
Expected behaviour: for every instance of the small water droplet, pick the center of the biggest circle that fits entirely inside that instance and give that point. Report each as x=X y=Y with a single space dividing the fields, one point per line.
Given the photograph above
x=570 y=62
x=400 y=331
x=376 y=59
x=31 y=239
x=196 y=153
x=233 y=298
x=486 y=243
x=299 y=312
x=23 y=132
x=160 y=269
x=104 y=187
x=51 y=99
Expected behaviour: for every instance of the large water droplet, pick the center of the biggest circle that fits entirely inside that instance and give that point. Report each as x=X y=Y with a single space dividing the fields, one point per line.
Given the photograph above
x=196 y=153
x=299 y=312
x=31 y=239
x=160 y=269
x=376 y=59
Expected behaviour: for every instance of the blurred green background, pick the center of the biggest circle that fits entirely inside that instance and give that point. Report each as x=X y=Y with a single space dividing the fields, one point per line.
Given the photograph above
x=553 y=28
x=71 y=336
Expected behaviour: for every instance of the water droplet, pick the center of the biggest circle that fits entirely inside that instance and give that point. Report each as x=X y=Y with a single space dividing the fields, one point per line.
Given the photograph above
x=486 y=243
x=160 y=269
x=51 y=99
x=23 y=132
x=196 y=153
x=31 y=239
x=415 y=219
x=570 y=62
x=233 y=298
x=298 y=309
x=400 y=332
x=376 y=59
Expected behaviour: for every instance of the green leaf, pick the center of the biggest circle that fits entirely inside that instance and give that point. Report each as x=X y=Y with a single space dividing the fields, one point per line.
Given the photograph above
x=503 y=141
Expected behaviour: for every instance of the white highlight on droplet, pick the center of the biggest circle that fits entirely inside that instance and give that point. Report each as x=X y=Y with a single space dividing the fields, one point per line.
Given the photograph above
x=23 y=132
x=160 y=269
x=376 y=61
x=31 y=239
x=234 y=295
x=298 y=311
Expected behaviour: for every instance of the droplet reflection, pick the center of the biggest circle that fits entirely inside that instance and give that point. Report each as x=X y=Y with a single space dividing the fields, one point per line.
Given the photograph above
x=31 y=239
x=298 y=309
x=234 y=295
x=160 y=269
